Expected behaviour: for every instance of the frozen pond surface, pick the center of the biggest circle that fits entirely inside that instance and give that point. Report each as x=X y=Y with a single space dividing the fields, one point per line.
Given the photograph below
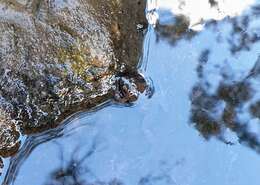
x=183 y=134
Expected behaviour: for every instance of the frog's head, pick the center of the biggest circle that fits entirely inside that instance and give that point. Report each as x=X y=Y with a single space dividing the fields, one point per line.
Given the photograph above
x=129 y=85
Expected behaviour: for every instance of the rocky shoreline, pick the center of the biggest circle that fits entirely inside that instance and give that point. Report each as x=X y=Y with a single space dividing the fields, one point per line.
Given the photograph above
x=61 y=57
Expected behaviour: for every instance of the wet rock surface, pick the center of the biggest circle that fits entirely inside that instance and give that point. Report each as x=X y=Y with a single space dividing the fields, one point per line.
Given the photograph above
x=61 y=57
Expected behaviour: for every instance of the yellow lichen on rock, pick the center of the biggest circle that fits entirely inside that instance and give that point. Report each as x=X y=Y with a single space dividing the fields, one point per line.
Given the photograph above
x=82 y=64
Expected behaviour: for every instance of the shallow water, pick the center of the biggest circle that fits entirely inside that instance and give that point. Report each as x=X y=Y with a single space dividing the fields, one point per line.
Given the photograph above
x=201 y=126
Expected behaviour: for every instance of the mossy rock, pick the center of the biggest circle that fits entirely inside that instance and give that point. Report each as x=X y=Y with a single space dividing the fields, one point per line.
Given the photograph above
x=60 y=57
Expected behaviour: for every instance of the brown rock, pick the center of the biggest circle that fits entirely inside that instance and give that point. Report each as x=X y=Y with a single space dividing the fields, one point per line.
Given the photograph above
x=60 y=57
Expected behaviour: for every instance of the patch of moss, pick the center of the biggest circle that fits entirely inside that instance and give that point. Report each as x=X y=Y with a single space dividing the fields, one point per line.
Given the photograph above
x=82 y=63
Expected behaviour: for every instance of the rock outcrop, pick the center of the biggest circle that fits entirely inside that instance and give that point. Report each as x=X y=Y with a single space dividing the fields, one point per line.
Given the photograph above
x=58 y=57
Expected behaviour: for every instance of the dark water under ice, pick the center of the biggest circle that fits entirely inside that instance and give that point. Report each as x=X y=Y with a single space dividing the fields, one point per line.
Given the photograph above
x=200 y=127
